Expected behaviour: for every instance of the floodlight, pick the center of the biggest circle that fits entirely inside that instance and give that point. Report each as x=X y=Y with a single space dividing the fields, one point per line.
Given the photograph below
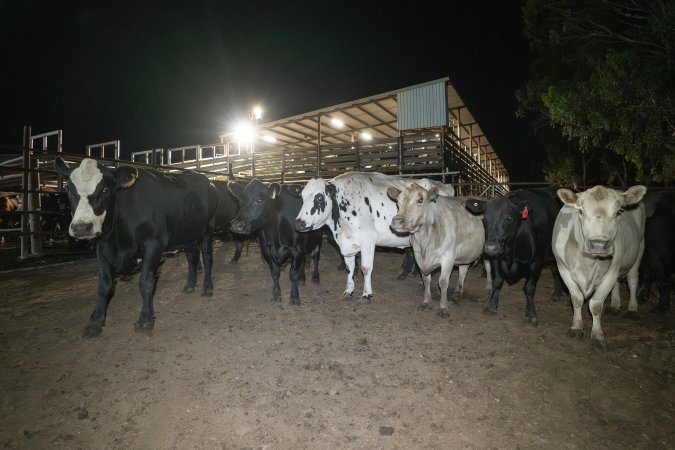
x=243 y=132
x=270 y=139
x=257 y=112
x=337 y=122
x=366 y=136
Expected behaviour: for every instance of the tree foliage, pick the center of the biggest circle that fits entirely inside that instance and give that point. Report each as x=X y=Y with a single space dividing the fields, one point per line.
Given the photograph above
x=604 y=76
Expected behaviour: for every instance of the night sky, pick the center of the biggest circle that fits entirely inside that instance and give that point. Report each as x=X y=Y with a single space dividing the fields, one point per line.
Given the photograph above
x=160 y=75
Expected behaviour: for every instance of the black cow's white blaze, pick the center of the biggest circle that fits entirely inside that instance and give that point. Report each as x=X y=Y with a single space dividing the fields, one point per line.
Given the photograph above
x=85 y=179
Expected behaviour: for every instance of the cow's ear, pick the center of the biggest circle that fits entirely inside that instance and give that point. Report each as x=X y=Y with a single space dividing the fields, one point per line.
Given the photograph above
x=330 y=190
x=393 y=193
x=432 y=194
x=475 y=205
x=126 y=177
x=62 y=168
x=633 y=195
x=568 y=196
x=235 y=188
x=274 y=189
x=295 y=190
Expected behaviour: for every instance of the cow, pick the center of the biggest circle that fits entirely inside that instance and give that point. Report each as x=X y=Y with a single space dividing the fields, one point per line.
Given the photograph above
x=225 y=213
x=518 y=228
x=358 y=212
x=139 y=213
x=10 y=216
x=658 y=260
x=442 y=233
x=598 y=237
x=270 y=211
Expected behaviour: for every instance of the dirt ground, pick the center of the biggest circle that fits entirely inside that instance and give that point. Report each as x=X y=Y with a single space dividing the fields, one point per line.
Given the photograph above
x=238 y=372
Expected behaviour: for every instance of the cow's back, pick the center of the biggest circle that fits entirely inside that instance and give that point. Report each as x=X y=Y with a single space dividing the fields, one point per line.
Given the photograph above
x=173 y=208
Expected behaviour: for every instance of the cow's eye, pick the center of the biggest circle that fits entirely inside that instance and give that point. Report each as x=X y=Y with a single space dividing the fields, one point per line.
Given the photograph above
x=581 y=213
x=105 y=190
x=618 y=213
x=420 y=200
x=259 y=201
x=508 y=219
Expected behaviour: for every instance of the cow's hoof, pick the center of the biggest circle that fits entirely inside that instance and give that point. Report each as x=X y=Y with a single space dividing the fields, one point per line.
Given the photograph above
x=366 y=299
x=145 y=325
x=234 y=260
x=316 y=279
x=632 y=315
x=532 y=321
x=576 y=333
x=402 y=276
x=443 y=312
x=600 y=344
x=613 y=311
x=425 y=306
x=490 y=310
x=91 y=330
x=456 y=299
x=126 y=277
x=346 y=295
x=275 y=298
x=187 y=289
x=207 y=293
x=659 y=309
x=295 y=301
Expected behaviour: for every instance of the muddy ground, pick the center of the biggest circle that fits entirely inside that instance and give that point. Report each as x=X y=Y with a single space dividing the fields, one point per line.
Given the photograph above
x=238 y=372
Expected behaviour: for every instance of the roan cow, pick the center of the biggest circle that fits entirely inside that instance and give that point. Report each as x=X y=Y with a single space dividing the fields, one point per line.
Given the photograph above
x=599 y=237
x=658 y=260
x=356 y=208
x=518 y=228
x=442 y=233
x=270 y=211
x=138 y=213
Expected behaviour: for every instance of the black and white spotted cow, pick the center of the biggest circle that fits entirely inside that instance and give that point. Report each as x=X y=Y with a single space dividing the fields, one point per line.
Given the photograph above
x=138 y=213
x=356 y=208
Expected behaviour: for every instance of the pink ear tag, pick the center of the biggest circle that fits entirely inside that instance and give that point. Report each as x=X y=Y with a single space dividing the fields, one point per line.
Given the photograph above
x=525 y=213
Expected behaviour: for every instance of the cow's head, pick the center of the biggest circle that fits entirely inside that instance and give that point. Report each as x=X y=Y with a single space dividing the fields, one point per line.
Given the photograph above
x=501 y=216
x=318 y=201
x=91 y=192
x=255 y=204
x=599 y=210
x=412 y=202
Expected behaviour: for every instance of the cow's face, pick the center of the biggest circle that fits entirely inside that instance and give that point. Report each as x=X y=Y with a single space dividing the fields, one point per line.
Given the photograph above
x=91 y=192
x=501 y=217
x=318 y=197
x=412 y=203
x=255 y=202
x=599 y=210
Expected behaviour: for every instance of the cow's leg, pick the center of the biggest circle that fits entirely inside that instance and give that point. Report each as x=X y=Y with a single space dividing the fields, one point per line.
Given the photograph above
x=152 y=255
x=487 y=266
x=350 y=262
x=443 y=283
x=595 y=305
x=192 y=256
x=408 y=264
x=367 y=260
x=632 y=278
x=558 y=286
x=426 y=303
x=105 y=291
x=529 y=289
x=615 y=305
x=315 y=271
x=238 y=245
x=275 y=271
x=577 y=298
x=664 y=297
x=497 y=282
x=456 y=296
x=207 y=258
x=297 y=268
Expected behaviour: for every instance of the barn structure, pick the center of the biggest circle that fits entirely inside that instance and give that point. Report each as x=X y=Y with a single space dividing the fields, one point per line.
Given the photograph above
x=421 y=130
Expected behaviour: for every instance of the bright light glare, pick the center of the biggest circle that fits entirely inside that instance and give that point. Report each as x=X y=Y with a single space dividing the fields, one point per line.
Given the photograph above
x=270 y=139
x=337 y=122
x=243 y=132
x=366 y=136
x=257 y=112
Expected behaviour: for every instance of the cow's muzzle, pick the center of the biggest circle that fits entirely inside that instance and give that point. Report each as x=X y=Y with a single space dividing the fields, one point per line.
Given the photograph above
x=599 y=248
x=82 y=230
x=399 y=225
x=493 y=249
x=240 y=227
x=301 y=226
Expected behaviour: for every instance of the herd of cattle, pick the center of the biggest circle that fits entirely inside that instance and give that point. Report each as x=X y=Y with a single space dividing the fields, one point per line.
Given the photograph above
x=590 y=240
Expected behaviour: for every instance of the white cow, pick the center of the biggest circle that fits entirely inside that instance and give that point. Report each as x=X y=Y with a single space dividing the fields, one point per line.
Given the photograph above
x=598 y=237
x=443 y=234
x=358 y=212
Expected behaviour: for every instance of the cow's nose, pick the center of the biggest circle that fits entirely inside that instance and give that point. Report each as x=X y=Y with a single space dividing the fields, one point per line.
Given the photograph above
x=300 y=225
x=598 y=245
x=398 y=222
x=80 y=229
x=492 y=248
x=238 y=226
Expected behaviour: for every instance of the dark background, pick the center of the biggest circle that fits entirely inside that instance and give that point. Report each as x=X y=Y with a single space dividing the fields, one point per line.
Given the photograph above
x=171 y=74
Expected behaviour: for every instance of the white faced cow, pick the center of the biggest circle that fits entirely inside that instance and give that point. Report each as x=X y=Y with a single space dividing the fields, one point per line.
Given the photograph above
x=443 y=234
x=358 y=212
x=598 y=237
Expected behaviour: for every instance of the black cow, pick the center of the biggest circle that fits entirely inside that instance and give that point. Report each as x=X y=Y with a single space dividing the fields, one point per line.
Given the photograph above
x=518 y=231
x=658 y=260
x=138 y=213
x=271 y=210
x=225 y=213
